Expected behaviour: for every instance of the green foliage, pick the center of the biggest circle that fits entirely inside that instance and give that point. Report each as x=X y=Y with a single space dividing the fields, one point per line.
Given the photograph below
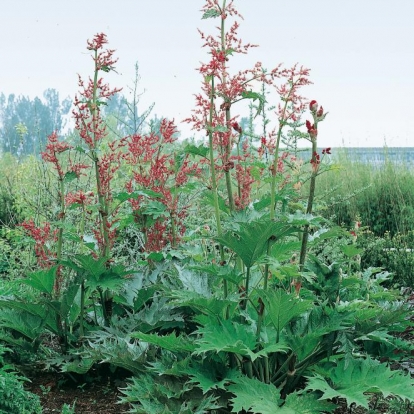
x=254 y=396
x=282 y=307
x=250 y=241
x=14 y=399
x=232 y=337
x=160 y=395
x=68 y=409
x=381 y=196
x=363 y=376
x=392 y=253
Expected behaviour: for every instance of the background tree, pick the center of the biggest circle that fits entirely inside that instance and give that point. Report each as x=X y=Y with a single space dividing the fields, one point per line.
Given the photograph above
x=26 y=123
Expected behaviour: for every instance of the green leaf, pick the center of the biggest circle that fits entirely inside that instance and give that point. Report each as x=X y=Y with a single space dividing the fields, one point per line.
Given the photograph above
x=200 y=150
x=255 y=96
x=300 y=403
x=124 y=196
x=29 y=325
x=284 y=250
x=194 y=282
x=282 y=307
x=67 y=299
x=227 y=336
x=255 y=396
x=211 y=305
x=206 y=378
x=96 y=272
x=262 y=203
x=301 y=219
x=350 y=250
x=80 y=366
x=70 y=176
x=42 y=280
x=360 y=377
x=156 y=256
x=230 y=336
x=155 y=209
x=209 y=198
x=251 y=240
x=171 y=342
x=81 y=150
x=211 y=13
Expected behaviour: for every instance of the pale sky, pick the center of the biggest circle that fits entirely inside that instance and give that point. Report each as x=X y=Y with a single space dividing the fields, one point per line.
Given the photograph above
x=360 y=52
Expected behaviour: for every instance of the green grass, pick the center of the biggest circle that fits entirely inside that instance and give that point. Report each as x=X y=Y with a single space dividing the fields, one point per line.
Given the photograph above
x=380 y=196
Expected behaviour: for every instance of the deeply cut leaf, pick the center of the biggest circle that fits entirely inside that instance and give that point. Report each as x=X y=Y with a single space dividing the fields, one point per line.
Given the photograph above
x=359 y=378
x=251 y=240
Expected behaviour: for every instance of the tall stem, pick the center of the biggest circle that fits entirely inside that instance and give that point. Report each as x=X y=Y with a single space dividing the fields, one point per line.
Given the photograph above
x=214 y=179
x=228 y=117
x=309 y=207
x=103 y=204
x=275 y=163
x=60 y=233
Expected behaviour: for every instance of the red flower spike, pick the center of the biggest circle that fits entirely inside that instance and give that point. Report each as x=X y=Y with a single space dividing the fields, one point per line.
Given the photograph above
x=43 y=236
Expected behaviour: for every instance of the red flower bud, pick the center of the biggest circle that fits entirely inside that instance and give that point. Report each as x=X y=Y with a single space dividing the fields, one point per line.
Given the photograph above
x=327 y=150
x=312 y=131
x=313 y=106
x=236 y=127
x=320 y=112
x=229 y=165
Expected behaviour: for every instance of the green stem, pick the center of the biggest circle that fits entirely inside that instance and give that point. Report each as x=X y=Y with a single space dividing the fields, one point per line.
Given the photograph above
x=228 y=117
x=82 y=308
x=214 y=188
x=305 y=236
x=60 y=234
x=104 y=310
x=173 y=222
x=103 y=204
x=274 y=168
x=246 y=292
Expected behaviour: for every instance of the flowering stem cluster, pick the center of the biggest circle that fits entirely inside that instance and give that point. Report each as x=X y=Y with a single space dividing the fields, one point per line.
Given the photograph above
x=92 y=130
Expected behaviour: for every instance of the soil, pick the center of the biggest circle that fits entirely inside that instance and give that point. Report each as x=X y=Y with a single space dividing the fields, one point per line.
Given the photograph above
x=55 y=390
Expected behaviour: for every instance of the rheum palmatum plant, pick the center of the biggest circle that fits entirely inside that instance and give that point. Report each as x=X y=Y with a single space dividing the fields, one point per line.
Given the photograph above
x=221 y=91
x=92 y=130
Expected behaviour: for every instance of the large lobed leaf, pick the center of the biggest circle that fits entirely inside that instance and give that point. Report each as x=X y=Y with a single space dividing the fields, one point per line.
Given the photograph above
x=282 y=307
x=250 y=242
x=171 y=342
x=362 y=376
x=42 y=280
x=260 y=398
x=230 y=336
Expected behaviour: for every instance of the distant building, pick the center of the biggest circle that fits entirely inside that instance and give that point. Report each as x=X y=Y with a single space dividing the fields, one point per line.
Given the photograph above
x=374 y=156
